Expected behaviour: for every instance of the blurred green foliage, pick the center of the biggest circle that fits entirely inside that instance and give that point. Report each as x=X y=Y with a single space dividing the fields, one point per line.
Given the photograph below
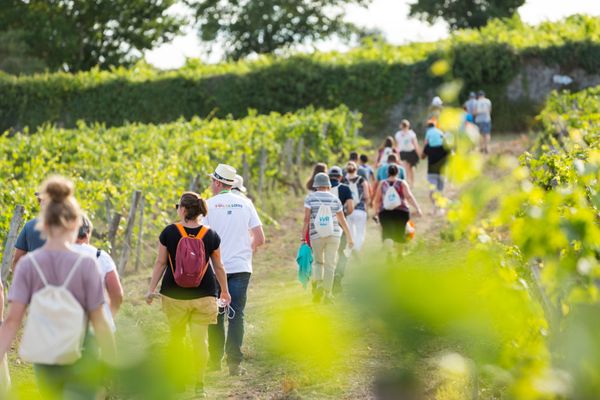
x=371 y=79
x=509 y=302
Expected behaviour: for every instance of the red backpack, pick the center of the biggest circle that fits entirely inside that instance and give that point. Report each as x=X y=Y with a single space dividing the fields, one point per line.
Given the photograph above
x=189 y=259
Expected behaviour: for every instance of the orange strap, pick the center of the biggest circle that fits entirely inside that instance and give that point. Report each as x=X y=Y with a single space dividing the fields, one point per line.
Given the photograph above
x=181 y=230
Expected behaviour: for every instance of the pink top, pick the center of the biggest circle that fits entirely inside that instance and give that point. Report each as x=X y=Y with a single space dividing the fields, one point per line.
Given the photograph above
x=85 y=285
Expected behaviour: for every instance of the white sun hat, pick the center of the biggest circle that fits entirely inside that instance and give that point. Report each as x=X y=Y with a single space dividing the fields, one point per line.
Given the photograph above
x=238 y=183
x=225 y=174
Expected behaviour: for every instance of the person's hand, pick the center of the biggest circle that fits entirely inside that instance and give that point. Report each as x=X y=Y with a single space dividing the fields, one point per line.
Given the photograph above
x=350 y=244
x=150 y=296
x=225 y=298
x=419 y=213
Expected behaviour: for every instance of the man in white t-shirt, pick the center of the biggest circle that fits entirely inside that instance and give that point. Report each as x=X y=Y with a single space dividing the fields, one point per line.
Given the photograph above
x=483 y=119
x=108 y=270
x=236 y=221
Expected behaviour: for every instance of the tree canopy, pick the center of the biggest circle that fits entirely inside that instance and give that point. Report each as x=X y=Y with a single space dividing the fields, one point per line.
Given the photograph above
x=464 y=13
x=79 y=34
x=263 y=26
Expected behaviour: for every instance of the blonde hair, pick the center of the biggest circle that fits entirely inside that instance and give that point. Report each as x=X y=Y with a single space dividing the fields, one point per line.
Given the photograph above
x=59 y=207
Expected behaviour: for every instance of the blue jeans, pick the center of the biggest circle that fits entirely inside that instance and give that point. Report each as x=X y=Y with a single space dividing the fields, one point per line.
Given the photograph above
x=217 y=345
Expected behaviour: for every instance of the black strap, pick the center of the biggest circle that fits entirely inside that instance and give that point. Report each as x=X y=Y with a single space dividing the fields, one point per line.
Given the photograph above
x=98 y=252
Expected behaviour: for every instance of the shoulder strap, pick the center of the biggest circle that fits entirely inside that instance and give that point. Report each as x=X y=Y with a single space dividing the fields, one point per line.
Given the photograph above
x=399 y=188
x=202 y=233
x=181 y=230
x=385 y=185
x=72 y=271
x=98 y=252
x=39 y=270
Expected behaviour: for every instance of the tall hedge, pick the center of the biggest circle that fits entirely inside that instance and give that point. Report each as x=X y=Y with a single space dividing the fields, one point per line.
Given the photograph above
x=370 y=79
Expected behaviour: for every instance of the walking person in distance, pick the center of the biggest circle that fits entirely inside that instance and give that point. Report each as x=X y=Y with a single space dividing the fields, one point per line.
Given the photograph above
x=108 y=269
x=63 y=291
x=392 y=201
x=188 y=291
x=324 y=219
x=408 y=147
x=483 y=120
x=236 y=221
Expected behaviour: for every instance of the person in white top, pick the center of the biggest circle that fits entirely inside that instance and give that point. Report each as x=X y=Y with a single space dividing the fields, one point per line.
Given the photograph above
x=108 y=270
x=483 y=120
x=238 y=186
x=470 y=104
x=408 y=147
x=236 y=221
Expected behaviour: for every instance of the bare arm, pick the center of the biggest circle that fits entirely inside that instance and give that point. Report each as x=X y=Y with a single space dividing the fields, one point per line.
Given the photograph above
x=115 y=291
x=423 y=155
x=377 y=199
x=366 y=194
x=306 y=223
x=344 y=225
x=411 y=199
x=159 y=268
x=349 y=206
x=1 y=302
x=215 y=257
x=258 y=237
x=416 y=144
x=18 y=254
x=9 y=328
x=104 y=334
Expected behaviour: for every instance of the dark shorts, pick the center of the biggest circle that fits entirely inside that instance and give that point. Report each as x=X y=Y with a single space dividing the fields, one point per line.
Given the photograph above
x=485 y=128
x=410 y=157
x=393 y=224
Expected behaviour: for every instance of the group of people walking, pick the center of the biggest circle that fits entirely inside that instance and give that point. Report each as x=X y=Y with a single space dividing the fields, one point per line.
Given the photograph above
x=204 y=262
x=337 y=206
x=336 y=212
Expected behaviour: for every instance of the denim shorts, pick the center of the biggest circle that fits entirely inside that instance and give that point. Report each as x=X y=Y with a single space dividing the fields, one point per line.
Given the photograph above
x=485 y=128
x=437 y=181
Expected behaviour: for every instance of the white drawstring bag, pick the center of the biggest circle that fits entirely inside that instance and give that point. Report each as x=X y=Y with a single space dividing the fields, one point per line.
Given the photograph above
x=324 y=221
x=56 y=324
x=391 y=198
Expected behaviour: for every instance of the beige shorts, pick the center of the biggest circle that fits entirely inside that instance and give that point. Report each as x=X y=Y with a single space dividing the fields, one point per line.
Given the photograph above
x=202 y=311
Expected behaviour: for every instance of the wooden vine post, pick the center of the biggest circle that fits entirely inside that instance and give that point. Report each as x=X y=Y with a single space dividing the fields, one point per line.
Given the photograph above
x=140 y=232
x=129 y=231
x=194 y=184
x=246 y=171
x=262 y=170
x=112 y=233
x=9 y=245
x=298 y=163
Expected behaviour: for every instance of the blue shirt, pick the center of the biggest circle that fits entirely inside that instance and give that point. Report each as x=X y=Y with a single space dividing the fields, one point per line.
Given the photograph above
x=382 y=172
x=434 y=137
x=29 y=238
x=367 y=169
